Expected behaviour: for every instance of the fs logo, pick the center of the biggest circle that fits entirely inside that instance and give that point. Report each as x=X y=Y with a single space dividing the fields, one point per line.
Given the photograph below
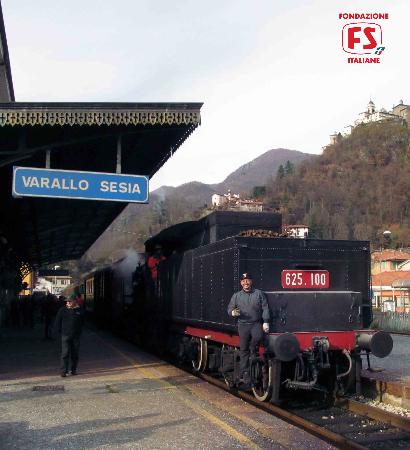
x=362 y=38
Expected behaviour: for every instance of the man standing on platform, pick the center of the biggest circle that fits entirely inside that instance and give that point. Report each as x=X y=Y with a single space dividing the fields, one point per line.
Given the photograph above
x=250 y=307
x=69 y=322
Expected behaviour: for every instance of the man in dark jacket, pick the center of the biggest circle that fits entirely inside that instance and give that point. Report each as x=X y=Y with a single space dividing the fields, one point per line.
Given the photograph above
x=250 y=307
x=49 y=308
x=69 y=322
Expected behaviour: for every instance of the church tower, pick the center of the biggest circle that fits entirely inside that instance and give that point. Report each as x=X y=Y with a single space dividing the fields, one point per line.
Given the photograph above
x=371 y=109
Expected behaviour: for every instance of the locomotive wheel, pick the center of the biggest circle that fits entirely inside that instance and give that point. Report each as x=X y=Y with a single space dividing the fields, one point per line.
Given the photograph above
x=261 y=380
x=201 y=359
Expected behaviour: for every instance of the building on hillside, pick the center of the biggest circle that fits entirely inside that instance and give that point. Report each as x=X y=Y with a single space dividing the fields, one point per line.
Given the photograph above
x=403 y=111
x=372 y=115
x=224 y=199
x=388 y=260
x=399 y=113
x=235 y=202
x=391 y=291
x=249 y=205
x=219 y=200
x=335 y=138
x=296 y=231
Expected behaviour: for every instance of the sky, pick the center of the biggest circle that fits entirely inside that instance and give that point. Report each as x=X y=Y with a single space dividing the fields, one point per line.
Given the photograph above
x=271 y=74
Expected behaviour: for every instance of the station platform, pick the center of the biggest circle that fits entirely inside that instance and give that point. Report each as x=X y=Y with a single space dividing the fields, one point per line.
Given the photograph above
x=122 y=398
x=390 y=379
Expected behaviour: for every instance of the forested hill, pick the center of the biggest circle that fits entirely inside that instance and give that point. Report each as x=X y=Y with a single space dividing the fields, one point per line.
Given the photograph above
x=170 y=205
x=258 y=171
x=357 y=188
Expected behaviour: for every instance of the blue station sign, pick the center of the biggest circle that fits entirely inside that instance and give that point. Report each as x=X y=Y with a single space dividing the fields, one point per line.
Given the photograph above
x=35 y=182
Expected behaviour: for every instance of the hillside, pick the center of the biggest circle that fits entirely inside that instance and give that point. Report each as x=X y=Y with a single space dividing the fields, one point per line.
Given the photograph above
x=169 y=205
x=258 y=171
x=357 y=188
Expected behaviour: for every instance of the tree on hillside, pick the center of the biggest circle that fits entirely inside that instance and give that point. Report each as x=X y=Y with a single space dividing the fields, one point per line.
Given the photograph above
x=258 y=191
x=281 y=172
x=356 y=188
x=289 y=168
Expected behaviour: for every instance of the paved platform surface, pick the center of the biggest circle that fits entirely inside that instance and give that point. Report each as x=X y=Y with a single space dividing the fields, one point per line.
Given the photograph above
x=122 y=398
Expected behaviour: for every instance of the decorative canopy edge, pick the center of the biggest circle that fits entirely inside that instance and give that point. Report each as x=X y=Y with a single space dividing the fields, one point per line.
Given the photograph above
x=82 y=117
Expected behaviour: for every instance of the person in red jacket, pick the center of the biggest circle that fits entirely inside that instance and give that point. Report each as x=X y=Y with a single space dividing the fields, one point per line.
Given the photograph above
x=80 y=301
x=154 y=260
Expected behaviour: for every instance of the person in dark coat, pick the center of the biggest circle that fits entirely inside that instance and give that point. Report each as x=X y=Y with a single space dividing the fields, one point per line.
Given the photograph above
x=49 y=308
x=250 y=307
x=69 y=322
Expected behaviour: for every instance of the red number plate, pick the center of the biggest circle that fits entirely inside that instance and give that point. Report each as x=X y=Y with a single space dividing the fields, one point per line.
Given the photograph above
x=305 y=279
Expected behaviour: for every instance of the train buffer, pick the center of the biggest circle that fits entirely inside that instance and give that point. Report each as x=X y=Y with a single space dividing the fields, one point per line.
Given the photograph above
x=122 y=398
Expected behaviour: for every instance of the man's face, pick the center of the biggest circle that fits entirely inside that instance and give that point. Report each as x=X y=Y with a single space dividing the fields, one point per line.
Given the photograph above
x=71 y=304
x=246 y=284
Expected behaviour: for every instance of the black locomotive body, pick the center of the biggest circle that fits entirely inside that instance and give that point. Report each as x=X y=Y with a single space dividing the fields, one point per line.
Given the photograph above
x=200 y=284
x=110 y=294
x=318 y=293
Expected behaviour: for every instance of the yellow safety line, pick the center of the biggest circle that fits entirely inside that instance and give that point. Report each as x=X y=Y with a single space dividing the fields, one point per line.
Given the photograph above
x=221 y=424
x=201 y=411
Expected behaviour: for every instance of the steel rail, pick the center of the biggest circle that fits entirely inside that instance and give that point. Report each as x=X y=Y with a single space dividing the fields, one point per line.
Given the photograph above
x=363 y=409
x=327 y=435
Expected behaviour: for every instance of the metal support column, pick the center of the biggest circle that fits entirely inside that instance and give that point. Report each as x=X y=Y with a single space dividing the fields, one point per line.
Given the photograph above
x=119 y=154
x=48 y=158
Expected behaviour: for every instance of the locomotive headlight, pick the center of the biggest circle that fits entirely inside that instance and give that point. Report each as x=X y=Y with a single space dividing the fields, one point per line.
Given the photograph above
x=285 y=346
x=379 y=343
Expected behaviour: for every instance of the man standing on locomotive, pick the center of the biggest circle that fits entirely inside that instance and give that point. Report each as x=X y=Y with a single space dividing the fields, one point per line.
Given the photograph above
x=250 y=307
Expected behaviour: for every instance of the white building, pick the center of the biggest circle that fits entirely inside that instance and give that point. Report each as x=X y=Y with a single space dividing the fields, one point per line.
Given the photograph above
x=249 y=205
x=224 y=199
x=54 y=281
x=219 y=200
x=371 y=115
x=399 y=113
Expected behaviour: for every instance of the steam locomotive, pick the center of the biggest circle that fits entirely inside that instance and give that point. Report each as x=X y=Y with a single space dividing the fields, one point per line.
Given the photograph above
x=318 y=293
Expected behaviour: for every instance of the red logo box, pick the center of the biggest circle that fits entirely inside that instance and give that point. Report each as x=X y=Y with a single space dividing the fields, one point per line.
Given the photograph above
x=361 y=38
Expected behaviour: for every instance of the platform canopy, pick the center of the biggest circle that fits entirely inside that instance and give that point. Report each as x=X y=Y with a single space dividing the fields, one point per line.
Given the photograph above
x=86 y=137
x=127 y=138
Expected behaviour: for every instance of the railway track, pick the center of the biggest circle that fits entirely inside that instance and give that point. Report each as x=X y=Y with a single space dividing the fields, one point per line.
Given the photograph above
x=348 y=424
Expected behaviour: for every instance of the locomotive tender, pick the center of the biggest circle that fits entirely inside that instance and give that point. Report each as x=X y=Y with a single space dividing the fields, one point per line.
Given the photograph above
x=318 y=293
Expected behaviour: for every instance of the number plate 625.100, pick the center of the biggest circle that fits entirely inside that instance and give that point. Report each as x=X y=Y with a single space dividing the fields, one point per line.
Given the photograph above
x=305 y=279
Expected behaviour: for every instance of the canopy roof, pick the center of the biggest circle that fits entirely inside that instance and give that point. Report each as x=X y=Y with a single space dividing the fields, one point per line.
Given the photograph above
x=75 y=136
x=79 y=136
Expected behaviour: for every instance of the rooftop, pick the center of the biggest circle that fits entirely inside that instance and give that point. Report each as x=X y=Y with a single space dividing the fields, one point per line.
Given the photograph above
x=390 y=255
x=387 y=278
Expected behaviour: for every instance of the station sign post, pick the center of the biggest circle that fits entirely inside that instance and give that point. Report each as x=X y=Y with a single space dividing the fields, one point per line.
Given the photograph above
x=79 y=185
